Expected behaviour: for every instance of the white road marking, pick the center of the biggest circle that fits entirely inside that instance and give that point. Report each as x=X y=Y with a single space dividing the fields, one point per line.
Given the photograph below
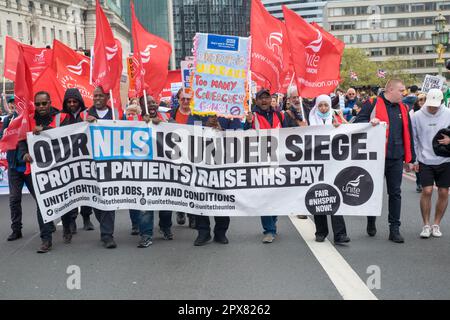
x=345 y=279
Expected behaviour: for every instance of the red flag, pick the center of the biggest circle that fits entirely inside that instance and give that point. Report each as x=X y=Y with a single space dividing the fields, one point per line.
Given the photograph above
x=37 y=59
x=173 y=81
x=152 y=54
x=23 y=91
x=48 y=82
x=270 y=50
x=68 y=70
x=116 y=90
x=316 y=56
x=106 y=67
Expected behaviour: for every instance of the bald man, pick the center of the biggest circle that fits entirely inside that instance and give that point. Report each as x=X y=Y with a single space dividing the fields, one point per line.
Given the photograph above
x=388 y=107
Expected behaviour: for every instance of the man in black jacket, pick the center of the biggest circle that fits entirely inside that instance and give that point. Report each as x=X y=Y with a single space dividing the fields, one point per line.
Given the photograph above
x=101 y=111
x=45 y=117
x=76 y=111
x=388 y=107
x=16 y=180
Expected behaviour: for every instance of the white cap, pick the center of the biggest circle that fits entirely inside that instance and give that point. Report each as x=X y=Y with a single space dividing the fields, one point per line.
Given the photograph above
x=434 y=98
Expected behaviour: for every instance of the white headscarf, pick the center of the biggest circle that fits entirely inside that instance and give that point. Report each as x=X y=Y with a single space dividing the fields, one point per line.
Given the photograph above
x=314 y=118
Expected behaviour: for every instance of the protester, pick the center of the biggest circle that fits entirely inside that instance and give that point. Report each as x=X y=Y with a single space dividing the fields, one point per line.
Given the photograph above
x=265 y=118
x=16 y=179
x=75 y=111
x=322 y=114
x=221 y=222
x=355 y=111
x=45 y=117
x=411 y=98
x=296 y=114
x=388 y=107
x=420 y=101
x=10 y=105
x=202 y=223
x=350 y=101
x=181 y=115
x=100 y=110
x=146 y=217
x=432 y=169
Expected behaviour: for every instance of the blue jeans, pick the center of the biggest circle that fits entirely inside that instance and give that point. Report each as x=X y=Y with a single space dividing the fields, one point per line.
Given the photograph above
x=269 y=224
x=145 y=223
x=135 y=217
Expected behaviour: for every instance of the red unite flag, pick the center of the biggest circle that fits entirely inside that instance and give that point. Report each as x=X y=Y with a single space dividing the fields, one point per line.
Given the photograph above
x=316 y=56
x=23 y=90
x=106 y=68
x=37 y=59
x=152 y=56
x=69 y=69
x=270 y=49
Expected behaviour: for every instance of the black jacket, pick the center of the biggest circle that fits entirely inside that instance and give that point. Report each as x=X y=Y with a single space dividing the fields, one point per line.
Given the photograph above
x=440 y=149
x=44 y=122
x=395 y=149
x=72 y=93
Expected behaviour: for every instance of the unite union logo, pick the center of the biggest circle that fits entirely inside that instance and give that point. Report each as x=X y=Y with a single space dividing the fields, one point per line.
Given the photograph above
x=145 y=55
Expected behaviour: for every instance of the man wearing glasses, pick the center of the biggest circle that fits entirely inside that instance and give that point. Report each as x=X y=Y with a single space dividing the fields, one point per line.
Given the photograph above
x=45 y=117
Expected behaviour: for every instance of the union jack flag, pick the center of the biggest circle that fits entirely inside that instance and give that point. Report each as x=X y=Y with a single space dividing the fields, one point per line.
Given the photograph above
x=381 y=73
x=353 y=75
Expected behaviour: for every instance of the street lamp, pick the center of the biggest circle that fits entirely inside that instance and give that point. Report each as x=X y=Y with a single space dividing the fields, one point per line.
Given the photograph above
x=440 y=39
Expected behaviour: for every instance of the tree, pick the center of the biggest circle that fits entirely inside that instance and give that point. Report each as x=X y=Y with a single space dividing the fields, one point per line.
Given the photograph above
x=356 y=60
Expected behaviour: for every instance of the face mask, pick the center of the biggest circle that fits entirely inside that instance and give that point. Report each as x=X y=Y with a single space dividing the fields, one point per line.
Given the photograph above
x=354 y=113
x=323 y=115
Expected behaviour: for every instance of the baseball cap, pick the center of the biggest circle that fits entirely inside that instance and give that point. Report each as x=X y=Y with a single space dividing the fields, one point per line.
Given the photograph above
x=261 y=92
x=10 y=99
x=434 y=98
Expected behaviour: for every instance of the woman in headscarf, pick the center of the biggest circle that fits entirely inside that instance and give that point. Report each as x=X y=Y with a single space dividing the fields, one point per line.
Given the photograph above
x=323 y=114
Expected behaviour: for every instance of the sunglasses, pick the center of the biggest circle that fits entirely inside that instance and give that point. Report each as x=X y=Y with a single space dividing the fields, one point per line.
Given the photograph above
x=38 y=104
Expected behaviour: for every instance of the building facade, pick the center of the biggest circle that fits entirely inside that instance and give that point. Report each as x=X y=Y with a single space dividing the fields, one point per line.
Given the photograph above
x=38 y=23
x=226 y=17
x=390 y=29
x=310 y=10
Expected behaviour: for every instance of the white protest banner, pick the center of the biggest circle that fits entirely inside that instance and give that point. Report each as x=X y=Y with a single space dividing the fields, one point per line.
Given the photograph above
x=432 y=82
x=132 y=165
x=220 y=76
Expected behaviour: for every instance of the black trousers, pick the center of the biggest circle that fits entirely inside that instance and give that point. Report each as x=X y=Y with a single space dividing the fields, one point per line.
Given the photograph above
x=394 y=173
x=337 y=222
x=165 y=220
x=106 y=220
x=16 y=180
x=45 y=229
x=84 y=211
x=203 y=225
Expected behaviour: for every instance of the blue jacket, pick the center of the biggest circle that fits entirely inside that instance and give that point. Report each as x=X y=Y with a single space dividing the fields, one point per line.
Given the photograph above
x=12 y=156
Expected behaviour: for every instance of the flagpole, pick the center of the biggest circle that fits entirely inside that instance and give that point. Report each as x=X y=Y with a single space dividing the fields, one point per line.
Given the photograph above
x=5 y=104
x=145 y=101
x=91 y=66
x=112 y=104
x=249 y=91
x=292 y=80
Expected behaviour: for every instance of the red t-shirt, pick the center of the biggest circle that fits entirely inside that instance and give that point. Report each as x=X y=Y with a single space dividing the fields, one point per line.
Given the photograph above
x=181 y=118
